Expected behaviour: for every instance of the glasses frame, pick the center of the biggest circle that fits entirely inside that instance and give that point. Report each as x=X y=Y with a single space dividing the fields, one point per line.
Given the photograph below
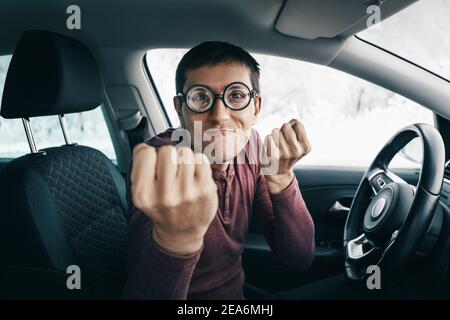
x=182 y=96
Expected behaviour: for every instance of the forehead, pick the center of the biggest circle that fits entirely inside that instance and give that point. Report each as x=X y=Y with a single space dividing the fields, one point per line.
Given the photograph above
x=218 y=76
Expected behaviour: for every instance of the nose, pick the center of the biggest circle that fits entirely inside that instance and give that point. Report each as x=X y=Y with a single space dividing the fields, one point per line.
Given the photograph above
x=219 y=112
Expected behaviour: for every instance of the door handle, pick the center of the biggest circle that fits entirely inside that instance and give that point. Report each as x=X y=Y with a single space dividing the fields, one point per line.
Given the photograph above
x=338 y=210
x=337 y=206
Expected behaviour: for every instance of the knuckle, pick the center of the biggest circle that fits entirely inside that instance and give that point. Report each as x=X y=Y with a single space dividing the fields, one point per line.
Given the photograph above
x=190 y=198
x=189 y=195
x=275 y=132
x=166 y=201
x=299 y=126
x=285 y=129
x=165 y=148
x=169 y=154
x=165 y=151
x=144 y=151
x=286 y=126
x=298 y=153
x=141 y=200
x=138 y=148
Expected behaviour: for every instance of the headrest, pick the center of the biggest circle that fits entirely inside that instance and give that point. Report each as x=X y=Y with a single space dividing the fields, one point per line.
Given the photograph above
x=50 y=74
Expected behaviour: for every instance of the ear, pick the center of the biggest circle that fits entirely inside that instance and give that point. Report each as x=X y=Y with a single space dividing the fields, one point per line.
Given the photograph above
x=177 y=105
x=258 y=106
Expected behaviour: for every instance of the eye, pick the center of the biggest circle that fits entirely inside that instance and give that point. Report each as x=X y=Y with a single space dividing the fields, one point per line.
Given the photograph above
x=200 y=97
x=237 y=95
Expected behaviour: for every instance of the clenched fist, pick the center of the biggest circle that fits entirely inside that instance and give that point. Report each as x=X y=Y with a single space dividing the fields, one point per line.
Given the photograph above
x=285 y=146
x=175 y=189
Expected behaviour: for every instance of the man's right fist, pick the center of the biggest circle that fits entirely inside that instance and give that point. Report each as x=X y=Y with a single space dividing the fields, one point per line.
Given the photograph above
x=175 y=189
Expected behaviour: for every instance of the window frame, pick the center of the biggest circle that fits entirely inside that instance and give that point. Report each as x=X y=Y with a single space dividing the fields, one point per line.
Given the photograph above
x=153 y=86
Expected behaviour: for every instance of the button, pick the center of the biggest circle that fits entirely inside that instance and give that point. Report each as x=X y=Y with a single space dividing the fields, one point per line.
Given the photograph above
x=381 y=182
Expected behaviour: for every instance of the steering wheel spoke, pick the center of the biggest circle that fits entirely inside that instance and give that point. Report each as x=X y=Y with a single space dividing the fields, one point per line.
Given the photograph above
x=379 y=178
x=396 y=178
x=360 y=253
x=361 y=249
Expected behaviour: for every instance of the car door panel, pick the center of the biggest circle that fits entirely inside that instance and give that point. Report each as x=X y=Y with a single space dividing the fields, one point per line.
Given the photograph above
x=3 y=162
x=322 y=188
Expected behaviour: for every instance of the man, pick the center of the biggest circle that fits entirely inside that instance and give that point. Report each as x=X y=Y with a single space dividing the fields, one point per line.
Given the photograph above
x=190 y=209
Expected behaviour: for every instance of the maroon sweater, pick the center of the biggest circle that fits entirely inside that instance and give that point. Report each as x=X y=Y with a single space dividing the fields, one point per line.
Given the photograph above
x=215 y=271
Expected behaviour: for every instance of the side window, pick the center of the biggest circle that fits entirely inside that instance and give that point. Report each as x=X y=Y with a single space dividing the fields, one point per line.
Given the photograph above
x=347 y=119
x=86 y=128
x=162 y=64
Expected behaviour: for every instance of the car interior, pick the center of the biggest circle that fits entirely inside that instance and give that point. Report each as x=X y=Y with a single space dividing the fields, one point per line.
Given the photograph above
x=66 y=204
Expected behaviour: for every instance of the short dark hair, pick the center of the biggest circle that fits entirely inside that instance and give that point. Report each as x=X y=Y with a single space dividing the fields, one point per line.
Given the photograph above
x=211 y=53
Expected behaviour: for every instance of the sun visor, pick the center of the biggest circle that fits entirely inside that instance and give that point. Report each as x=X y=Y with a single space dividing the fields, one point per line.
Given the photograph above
x=312 y=19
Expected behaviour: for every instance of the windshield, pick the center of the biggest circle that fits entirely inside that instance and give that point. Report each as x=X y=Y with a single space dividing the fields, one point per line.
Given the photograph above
x=419 y=34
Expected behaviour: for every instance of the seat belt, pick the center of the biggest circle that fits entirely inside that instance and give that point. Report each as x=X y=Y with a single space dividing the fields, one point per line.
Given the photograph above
x=135 y=127
x=136 y=135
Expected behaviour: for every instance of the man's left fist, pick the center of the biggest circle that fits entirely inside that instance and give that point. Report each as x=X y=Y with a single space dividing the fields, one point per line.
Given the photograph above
x=285 y=147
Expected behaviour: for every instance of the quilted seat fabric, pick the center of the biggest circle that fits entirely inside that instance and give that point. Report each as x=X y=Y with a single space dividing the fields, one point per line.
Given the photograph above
x=75 y=214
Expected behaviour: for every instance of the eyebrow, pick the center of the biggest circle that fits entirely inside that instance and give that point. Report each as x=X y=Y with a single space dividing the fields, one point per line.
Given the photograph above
x=250 y=86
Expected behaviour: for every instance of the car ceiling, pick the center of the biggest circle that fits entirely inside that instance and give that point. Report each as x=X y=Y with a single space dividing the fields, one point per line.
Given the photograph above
x=310 y=30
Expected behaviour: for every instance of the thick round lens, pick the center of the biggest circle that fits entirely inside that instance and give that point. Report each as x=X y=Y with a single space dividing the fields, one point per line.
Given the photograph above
x=237 y=96
x=199 y=99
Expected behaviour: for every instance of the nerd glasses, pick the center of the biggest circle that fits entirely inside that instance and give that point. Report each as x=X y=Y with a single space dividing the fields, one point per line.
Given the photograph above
x=200 y=98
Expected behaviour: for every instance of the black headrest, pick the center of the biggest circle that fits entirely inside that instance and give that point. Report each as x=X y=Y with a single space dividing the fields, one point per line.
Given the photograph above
x=50 y=74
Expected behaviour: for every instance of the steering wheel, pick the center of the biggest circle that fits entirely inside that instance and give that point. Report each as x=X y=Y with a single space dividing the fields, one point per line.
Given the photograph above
x=389 y=217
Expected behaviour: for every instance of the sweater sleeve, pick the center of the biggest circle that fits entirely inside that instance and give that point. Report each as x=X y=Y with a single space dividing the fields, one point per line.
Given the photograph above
x=287 y=223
